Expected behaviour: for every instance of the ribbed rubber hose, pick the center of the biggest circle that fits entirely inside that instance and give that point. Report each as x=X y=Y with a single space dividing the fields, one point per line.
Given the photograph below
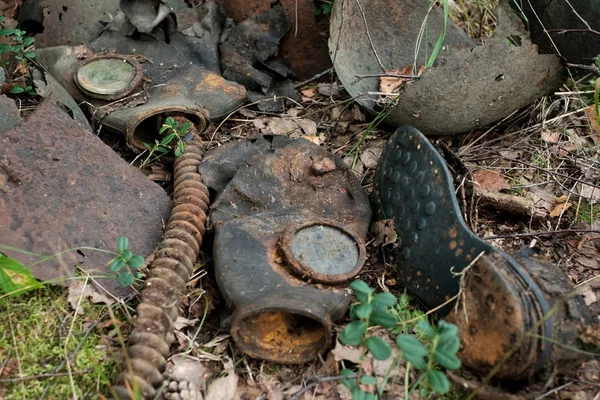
x=169 y=272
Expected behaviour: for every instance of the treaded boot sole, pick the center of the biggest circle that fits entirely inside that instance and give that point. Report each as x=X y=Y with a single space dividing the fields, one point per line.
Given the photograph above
x=413 y=186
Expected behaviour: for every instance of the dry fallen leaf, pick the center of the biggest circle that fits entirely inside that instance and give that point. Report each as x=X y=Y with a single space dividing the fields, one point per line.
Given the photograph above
x=390 y=84
x=346 y=353
x=329 y=89
x=561 y=199
x=224 y=388
x=370 y=154
x=308 y=126
x=550 y=136
x=559 y=209
x=384 y=232
x=490 y=180
x=590 y=193
x=84 y=290
x=310 y=92
x=182 y=322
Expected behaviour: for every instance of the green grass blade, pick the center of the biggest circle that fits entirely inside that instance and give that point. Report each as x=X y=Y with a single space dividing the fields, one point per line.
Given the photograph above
x=440 y=41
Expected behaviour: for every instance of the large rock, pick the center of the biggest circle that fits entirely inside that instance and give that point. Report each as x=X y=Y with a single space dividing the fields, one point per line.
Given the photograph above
x=61 y=187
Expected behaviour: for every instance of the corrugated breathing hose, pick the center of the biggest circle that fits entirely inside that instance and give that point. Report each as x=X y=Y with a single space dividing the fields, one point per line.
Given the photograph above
x=169 y=272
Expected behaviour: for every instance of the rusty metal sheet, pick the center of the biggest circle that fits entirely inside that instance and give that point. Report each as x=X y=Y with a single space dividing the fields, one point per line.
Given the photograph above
x=302 y=47
x=61 y=187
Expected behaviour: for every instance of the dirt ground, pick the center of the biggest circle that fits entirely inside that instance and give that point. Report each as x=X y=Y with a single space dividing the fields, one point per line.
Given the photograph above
x=531 y=180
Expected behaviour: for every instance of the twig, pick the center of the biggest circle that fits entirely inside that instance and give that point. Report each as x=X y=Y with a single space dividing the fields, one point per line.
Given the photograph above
x=544 y=233
x=318 y=380
x=550 y=172
x=360 y=77
x=369 y=35
x=578 y=16
x=44 y=376
x=314 y=78
x=484 y=391
x=593 y=68
x=553 y=391
x=333 y=388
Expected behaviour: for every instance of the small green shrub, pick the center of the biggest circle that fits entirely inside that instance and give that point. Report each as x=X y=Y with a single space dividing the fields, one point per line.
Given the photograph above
x=173 y=132
x=16 y=279
x=125 y=262
x=20 y=49
x=432 y=353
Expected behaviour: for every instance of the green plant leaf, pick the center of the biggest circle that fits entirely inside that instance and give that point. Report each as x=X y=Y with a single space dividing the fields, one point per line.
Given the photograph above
x=28 y=41
x=147 y=146
x=6 y=32
x=383 y=318
x=380 y=349
x=438 y=381
x=449 y=344
x=179 y=149
x=440 y=41
x=184 y=128
x=136 y=262
x=17 y=89
x=368 y=380
x=403 y=302
x=126 y=254
x=446 y=330
x=363 y=310
x=386 y=299
x=353 y=334
x=122 y=243
x=361 y=287
x=170 y=122
x=30 y=54
x=163 y=128
x=125 y=278
x=15 y=278
x=358 y=394
x=424 y=327
x=413 y=350
x=117 y=264
x=350 y=383
x=446 y=360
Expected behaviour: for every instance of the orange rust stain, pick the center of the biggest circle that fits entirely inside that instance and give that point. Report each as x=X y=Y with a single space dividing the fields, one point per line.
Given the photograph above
x=452 y=233
x=468 y=257
x=453 y=245
x=213 y=82
x=458 y=252
x=283 y=333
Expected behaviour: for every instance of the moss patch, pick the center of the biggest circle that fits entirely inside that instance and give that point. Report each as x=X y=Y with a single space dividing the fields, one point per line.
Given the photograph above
x=39 y=332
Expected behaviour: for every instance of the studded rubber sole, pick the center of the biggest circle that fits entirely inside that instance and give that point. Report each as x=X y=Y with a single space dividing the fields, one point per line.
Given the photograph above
x=414 y=188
